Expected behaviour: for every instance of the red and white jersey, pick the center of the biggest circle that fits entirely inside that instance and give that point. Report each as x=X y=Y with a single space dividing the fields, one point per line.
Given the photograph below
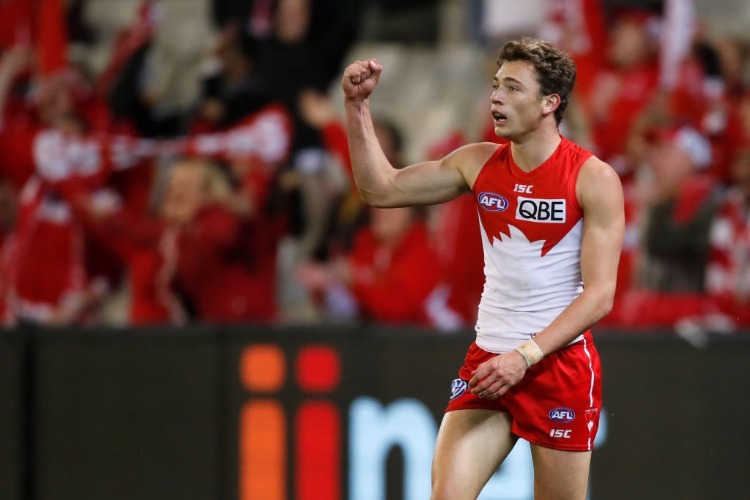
x=531 y=227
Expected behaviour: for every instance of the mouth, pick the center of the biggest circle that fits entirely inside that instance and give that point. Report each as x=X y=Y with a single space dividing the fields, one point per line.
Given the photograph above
x=499 y=118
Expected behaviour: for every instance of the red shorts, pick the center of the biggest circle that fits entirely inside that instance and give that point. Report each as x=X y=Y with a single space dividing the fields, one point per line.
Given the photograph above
x=555 y=405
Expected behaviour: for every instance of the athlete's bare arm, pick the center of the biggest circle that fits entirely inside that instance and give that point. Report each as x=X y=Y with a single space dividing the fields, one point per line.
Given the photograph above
x=600 y=194
x=379 y=183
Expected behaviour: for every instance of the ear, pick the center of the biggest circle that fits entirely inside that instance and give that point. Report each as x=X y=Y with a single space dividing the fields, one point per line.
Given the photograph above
x=550 y=103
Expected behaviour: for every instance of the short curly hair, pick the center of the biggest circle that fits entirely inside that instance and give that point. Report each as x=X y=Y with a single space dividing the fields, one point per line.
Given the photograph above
x=556 y=71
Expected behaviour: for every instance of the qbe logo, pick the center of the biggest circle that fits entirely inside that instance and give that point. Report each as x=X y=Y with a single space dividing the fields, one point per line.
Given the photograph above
x=492 y=202
x=541 y=210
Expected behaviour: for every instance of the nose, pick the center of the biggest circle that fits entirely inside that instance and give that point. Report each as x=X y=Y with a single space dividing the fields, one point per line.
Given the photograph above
x=497 y=95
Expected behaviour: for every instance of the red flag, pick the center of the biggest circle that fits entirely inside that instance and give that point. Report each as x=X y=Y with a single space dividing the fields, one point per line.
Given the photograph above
x=16 y=18
x=52 y=37
x=577 y=27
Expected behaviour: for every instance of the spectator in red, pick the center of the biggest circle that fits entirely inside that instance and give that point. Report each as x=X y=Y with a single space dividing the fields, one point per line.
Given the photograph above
x=680 y=204
x=719 y=106
x=186 y=264
x=622 y=89
x=261 y=228
x=50 y=158
x=208 y=272
x=38 y=85
x=50 y=282
x=677 y=202
x=388 y=277
x=728 y=276
x=52 y=279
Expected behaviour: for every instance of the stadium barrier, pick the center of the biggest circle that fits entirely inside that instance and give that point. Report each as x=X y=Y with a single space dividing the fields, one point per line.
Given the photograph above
x=213 y=413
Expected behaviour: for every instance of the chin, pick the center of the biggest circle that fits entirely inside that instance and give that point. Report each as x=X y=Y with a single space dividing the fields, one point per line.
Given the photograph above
x=503 y=133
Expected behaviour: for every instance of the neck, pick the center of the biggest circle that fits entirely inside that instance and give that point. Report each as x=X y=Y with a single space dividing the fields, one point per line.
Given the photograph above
x=530 y=152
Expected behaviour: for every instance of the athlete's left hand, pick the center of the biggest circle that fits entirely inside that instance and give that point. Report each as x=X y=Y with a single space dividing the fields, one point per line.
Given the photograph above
x=495 y=376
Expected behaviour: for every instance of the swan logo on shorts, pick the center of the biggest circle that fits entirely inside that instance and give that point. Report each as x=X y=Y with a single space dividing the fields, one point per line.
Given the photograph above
x=492 y=202
x=562 y=415
x=458 y=387
x=592 y=416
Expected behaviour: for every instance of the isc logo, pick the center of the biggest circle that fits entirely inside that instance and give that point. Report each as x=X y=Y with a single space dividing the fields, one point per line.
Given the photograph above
x=540 y=210
x=492 y=202
x=560 y=433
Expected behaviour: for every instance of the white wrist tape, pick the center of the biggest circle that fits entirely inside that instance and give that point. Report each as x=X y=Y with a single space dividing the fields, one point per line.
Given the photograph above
x=530 y=352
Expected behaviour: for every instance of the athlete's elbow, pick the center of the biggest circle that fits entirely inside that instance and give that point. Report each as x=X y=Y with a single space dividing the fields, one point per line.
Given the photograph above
x=377 y=198
x=606 y=307
x=373 y=199
x=602 y=301
x=605 y=303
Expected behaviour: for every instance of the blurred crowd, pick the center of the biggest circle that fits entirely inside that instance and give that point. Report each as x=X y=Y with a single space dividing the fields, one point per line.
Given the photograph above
x=242 y=207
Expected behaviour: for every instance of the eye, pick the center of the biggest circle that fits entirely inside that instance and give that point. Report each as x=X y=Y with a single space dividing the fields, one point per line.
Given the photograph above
x=513 y=89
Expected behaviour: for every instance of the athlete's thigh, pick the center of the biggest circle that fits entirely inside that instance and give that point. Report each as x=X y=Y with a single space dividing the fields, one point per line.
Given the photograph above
x=560 y=475
x=470 y=446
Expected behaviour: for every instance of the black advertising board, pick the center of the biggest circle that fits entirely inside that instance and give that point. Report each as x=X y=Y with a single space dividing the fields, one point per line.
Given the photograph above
x=344 y=413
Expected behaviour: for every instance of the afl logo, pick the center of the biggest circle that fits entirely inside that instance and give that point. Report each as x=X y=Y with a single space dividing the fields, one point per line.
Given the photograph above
x=562 y=415
x=492 y=202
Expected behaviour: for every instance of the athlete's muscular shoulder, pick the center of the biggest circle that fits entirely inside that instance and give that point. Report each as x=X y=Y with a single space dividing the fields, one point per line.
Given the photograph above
x=470 y=159
x=598 y=184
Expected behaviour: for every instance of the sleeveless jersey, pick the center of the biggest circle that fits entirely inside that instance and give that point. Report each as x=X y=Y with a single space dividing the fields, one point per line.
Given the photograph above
x=531 y=226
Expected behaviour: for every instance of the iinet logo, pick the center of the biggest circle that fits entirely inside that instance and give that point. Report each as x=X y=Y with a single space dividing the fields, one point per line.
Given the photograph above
x=300 y=448
x=316 y=425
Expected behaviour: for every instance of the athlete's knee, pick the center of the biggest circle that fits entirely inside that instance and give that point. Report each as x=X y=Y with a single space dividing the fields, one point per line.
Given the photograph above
x=445 y=492
x=559 y=495
x=446 y=489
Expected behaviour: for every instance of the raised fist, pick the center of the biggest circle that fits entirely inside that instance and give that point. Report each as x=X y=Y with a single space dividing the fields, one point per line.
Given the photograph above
x=360 y=79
